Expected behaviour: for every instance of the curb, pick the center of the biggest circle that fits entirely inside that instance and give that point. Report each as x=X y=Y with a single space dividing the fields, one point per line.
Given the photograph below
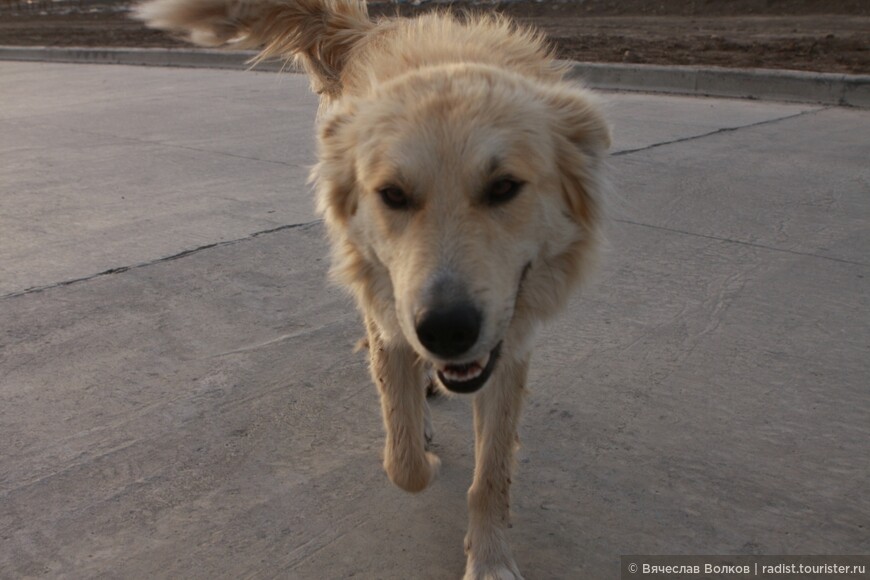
x=762 y=84
x=173 y=57
x=774 y=85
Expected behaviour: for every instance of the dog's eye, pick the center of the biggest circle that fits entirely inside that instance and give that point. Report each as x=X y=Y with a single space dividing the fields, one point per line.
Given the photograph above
x=502 y=190
x=394 y=197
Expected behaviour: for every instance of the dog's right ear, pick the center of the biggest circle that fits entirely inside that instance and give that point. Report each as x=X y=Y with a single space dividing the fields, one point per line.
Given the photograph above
x=319 y=33
x=335 y=173
x=202 y=22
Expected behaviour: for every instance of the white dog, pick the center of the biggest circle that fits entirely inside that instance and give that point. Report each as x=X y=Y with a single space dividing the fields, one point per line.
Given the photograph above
x=459 y=176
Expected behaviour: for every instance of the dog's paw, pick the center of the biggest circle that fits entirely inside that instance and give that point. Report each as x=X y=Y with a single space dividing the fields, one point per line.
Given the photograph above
x=505 y=571
x=434 y=466
x=428 y=435
x=489 y=557
x=428 y=429
x=415 y=477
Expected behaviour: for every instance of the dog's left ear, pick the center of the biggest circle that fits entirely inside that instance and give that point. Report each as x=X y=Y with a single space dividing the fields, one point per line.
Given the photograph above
x=335 y=173
x=583 y=138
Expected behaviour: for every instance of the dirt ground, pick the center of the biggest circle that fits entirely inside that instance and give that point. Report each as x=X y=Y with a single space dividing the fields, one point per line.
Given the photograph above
x=815 y=35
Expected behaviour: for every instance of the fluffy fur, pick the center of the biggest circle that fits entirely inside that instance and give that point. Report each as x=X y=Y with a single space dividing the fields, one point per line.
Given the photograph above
x=458 y=172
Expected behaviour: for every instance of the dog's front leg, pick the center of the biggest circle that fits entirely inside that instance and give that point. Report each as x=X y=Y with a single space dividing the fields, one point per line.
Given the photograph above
x=496 y=414
x=399 y=377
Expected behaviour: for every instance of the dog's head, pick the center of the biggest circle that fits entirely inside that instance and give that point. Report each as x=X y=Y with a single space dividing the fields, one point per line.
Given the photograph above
x=459 y=199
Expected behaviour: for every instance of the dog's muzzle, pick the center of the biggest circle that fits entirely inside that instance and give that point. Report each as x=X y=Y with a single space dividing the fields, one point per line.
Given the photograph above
x=451 y=331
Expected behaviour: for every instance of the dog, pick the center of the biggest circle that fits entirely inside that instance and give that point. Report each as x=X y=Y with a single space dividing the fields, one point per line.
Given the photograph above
x=460 y=176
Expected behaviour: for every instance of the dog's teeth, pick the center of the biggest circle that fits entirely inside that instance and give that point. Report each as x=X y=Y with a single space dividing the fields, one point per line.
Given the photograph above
x=466 y=374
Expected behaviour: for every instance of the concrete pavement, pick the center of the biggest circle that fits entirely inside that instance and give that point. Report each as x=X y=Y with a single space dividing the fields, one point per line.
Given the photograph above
x=179 y=397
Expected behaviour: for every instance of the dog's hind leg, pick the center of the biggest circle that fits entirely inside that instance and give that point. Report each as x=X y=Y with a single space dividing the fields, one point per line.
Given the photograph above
x=431 y=393
x=496 y=414
x=428 y=429
x=398 y=375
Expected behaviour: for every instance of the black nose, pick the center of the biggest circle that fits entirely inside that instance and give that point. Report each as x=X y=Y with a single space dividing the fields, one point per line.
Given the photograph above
x=449 y=331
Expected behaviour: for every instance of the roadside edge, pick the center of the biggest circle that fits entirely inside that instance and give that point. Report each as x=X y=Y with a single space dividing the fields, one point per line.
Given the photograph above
x=761 y=84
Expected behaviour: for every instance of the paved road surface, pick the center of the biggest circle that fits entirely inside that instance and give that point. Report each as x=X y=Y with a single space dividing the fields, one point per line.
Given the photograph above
x=179 y=397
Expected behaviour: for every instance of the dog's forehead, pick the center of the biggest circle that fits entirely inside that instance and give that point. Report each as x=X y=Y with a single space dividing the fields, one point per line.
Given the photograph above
x=447 y=138
x=461 y=158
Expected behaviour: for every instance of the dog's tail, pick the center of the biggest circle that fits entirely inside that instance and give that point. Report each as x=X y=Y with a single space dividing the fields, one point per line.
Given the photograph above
x=320 y=33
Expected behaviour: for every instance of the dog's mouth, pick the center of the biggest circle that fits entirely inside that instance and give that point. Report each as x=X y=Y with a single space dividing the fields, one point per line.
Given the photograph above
x=468 y=377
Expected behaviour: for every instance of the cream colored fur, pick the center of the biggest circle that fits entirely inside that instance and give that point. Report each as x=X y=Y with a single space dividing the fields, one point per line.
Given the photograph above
x=438 y=107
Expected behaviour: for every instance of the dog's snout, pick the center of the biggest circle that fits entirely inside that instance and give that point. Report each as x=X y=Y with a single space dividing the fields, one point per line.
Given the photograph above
x=449 y=331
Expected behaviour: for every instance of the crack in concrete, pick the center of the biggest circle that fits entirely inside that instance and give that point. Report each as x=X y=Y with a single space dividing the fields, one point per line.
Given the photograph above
x=718 y=132
x=185 y=253
x=742 y=243
x=718 y=238
x=179 y=255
